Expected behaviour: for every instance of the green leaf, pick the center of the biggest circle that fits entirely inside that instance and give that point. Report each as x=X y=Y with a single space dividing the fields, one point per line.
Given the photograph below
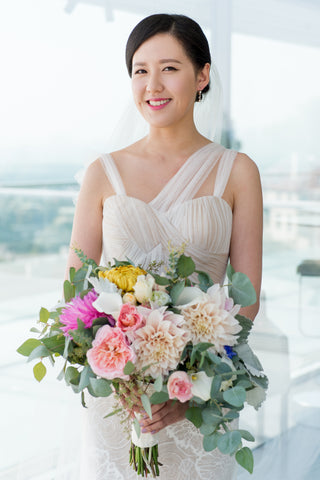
x=246 y=435
x=204 y=280
x=26 y=348
x=222 y=368
x=159 y=397
x=39 y=371
x=114 y=412
x=85 y=376
x=230 y=271
x=194 y=415
x=68 y=290
x=207 y=429
x=245 y=458
x=236 y=396
x=44 y=315
x=176 y=290
x=231 y=415
x=250 y=360
x=72 y=271
x=210 y=442
x=146 y=404
x=83 y=401
x=185 y=266
x=211 y=415
x=242 y=290
x=214 y=358
x=246 y=325
x=101 y=387
x=137 y=427
x=38 y=352
x=55 y=343
x=160 y=280
x=215 y=386
x=72 y=376
x=229 y=442
x=158 y=384
x=34 y=330
x=128 y=368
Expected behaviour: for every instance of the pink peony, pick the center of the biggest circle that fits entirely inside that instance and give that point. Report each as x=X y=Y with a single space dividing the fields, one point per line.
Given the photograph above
x=80 y=308
x=129 y=318
x=110 y=353
x=179 y=386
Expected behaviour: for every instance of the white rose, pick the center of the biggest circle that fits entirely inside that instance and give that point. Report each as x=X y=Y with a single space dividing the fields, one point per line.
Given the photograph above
x=143 y=288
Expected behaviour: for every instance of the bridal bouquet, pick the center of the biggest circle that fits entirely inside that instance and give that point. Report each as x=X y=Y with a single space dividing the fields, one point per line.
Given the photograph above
x=150 y=338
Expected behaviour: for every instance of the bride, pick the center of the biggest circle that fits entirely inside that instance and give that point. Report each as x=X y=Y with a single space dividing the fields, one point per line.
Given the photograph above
x=172 y=185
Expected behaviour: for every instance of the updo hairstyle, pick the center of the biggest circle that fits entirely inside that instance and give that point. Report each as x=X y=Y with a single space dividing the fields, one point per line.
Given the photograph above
x=181 y=27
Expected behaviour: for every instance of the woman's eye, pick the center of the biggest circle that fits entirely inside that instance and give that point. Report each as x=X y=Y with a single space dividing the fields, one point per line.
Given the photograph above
x=170 y=68
x=140 y=71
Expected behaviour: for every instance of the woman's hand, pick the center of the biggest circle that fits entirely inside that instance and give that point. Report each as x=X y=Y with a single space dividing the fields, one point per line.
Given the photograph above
x=163 y=414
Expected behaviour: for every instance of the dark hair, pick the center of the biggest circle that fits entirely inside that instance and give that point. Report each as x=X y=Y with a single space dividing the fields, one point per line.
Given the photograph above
x=183 y=28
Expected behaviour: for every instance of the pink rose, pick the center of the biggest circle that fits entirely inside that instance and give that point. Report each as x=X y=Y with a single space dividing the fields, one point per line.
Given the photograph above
x=110 y=353
x=129 y=318
x=179 y=386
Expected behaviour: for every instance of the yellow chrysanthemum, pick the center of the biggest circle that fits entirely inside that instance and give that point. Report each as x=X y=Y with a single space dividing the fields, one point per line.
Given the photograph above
x=125 y=276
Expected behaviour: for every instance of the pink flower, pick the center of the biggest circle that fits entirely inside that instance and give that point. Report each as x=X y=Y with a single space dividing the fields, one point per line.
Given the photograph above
x=129 y=318
x=80 y=308
x=110 y=353
x=179 y=386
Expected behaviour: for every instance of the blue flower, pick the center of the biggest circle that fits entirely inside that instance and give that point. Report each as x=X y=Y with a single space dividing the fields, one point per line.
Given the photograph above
x=230 y=353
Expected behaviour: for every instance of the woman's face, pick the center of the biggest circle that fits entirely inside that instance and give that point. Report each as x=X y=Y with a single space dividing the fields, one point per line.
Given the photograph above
x=164 y=81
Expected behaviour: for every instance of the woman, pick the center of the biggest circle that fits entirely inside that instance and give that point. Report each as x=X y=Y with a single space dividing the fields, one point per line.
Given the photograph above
x=172 y=185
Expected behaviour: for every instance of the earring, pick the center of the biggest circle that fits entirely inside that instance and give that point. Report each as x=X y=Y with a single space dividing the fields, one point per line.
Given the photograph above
x=199 y=95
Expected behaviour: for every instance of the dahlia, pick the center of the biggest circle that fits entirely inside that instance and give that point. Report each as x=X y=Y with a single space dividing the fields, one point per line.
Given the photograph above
x=81 y=308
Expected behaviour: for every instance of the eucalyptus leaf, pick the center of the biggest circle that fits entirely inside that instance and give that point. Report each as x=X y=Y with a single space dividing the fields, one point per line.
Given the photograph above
x=26 y=348
x=55 y=344
x=241 y=290
x=185 y=266
x=39 y=371
x=146 y=405
x=71 y=375
x=245 y=458
x=210 y=442
x=44 y=315
x=211 y=415
x=246 y=435
x=230 y=271
x=204 y=280
x=128 y=368
x=137 y=427
x=158 y=384
x=250 y=360
x=207 y=429
x=229 y=442
x=101 y=387
x=39 y=352
x=235 y=396
x=176 y=290
x=194 y=415
x=68 y=290
x=246 y=325
x=160 y=280
x=159 y=397
x=215 y=386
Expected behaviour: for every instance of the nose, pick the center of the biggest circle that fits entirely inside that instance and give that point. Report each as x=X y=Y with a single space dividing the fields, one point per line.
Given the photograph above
x=154 y=84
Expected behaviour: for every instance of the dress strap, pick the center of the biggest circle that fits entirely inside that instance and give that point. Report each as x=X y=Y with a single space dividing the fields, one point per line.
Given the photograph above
x=112 y=173
x=224 y=170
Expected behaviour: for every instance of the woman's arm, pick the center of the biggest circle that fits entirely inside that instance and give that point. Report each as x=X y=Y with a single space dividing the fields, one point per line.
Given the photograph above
x=246 y=238
x=87 y=223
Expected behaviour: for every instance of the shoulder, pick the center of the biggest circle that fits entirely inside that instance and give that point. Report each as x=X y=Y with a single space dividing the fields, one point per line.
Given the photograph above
x=95 y=180
x=244 y=171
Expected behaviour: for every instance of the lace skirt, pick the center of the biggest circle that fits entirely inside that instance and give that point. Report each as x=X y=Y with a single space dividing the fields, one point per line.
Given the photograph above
x=105 y=450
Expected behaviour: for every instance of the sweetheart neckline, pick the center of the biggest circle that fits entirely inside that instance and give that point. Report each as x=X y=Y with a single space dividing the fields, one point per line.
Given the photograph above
x=213 y=197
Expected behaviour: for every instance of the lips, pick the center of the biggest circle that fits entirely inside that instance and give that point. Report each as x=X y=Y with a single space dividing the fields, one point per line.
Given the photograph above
x=158 y=103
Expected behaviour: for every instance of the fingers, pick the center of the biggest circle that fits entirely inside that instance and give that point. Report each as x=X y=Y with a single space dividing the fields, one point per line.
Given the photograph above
x=168 y=413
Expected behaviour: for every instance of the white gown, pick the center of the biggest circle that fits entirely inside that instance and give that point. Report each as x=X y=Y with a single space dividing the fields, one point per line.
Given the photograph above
x=141 y=231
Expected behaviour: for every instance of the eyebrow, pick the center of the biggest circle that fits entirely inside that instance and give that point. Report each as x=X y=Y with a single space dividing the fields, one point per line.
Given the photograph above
x=163 y=60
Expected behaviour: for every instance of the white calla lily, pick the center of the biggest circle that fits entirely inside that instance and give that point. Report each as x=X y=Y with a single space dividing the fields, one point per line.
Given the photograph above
x=201 y=385
x=188 y=296
x=109 y=303
x=102 y=284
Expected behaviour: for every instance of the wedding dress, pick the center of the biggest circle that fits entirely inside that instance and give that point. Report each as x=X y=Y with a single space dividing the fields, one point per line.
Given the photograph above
x=142 y=231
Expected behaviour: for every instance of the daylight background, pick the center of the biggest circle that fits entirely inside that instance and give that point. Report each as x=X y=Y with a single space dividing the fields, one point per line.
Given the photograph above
x=63 y=88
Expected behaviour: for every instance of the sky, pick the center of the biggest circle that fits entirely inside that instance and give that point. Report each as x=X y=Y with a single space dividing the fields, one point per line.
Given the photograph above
x=65 y=86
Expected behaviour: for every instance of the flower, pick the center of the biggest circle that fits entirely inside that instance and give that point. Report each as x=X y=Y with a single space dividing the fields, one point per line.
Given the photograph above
x=160 y=342
x=143 y=288
x=160 y=298
x=81 y=308
x=230 y=353
x=208 y=321
x=201 y=385
x=102 y=284
x=179 y=386
x=109 y=303
x=110 y=353
x=129 y=318
x=125 y=276
x=129 y=298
